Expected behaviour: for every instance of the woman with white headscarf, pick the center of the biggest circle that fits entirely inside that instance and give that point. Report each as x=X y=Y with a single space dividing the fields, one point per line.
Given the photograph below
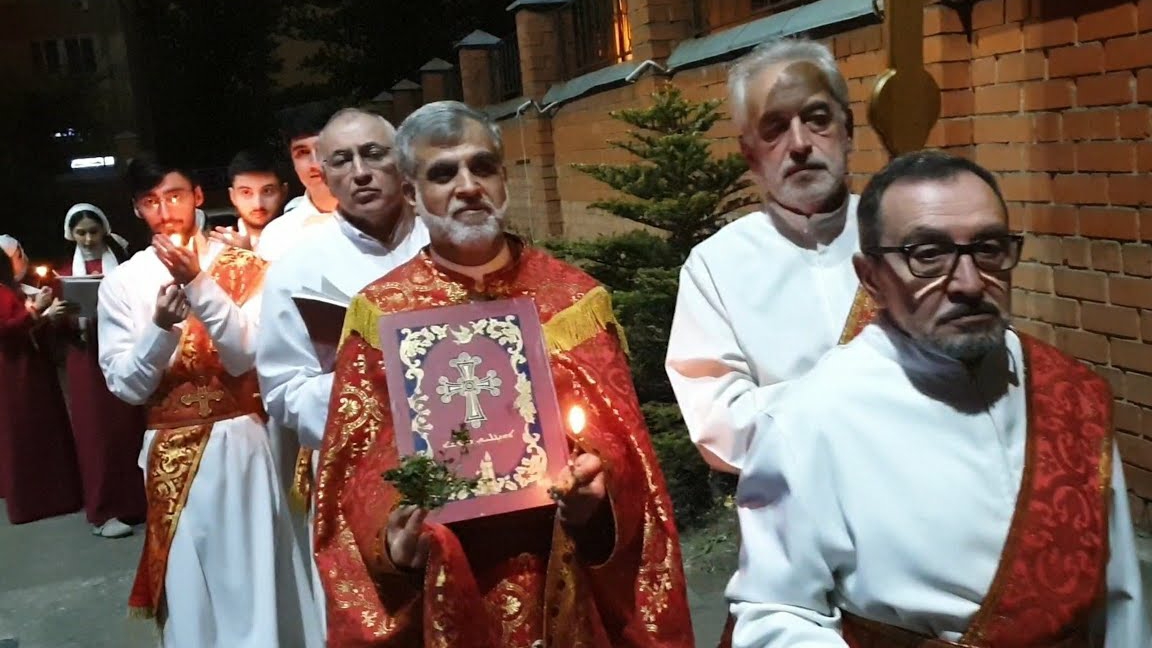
x=38 y=473
x=108 y=431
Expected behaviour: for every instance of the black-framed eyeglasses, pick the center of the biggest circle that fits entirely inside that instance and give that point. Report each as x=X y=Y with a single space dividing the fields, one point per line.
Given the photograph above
x=940 y=258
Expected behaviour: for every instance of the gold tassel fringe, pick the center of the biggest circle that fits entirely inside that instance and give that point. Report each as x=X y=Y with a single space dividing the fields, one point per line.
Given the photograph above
x=581 y=322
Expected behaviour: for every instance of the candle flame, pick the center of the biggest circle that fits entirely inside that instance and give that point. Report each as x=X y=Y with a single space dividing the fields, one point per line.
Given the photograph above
x=577 y=419
x=42 y=271
x=177 y=240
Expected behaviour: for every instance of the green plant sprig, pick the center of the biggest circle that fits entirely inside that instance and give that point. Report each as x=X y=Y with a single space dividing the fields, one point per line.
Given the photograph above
x=429 y=484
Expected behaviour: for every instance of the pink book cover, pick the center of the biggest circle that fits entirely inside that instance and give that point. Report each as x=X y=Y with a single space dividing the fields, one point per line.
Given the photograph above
x=483 y=365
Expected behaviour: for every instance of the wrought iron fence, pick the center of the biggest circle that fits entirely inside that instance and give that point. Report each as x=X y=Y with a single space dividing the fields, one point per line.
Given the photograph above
x=506 y=82
x=600 y=34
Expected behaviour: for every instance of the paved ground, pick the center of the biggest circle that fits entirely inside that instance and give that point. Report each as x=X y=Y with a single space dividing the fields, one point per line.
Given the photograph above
x=61 y=587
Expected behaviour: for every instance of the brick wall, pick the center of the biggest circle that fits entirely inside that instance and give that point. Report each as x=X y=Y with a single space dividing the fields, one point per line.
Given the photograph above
x=1052 y=96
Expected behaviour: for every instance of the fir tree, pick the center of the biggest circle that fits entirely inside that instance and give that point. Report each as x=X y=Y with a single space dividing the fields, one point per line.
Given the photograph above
x=683 y=195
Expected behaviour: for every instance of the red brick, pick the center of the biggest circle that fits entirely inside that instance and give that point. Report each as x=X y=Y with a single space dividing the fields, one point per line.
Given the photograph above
x=1055 y=310
x=958 y=103
x=1110 y=223
x=1092 y=124
x=950 y=132
x=1077 y=252
x=1086 y=346
x=1139 y=480
x=946 y=47
x=1135 y=122
x=1130 y=291
x=1021 y=66
x=1050 y=219
x=1080 y=189
x=1105 y=23
x=1051 y=157
x=1048 y=95
x=1144 y=86
x=1047 y=127
x=1135 y=450
x=1015 y=10
x=1132 y=355
x=1125 y=416
x=1146 y=325
x=868 y=161
x=1033 y=276
x=868 y=64
x=1137 y=258
x=1114 y=376
x=1081 y=284
x=1045 y=249
x=1129 y=52
x=1049 y=33
x=1000 y=157
x=1138 y=389
x=998 y=40
x=1117 y=157
x=941 y=20
x=1038 y=330
x=1113 y=320
x=951 y=75
x=997 y=129
x=1076 y=60
x=1144 y=157
x=1146 y=224
x=998 y=98
x=983 y=71
x=1107 y=89
x=988 y=14
x=1144 y=15
x=1129 y=189
x=1026 y=187
x=1106 y=256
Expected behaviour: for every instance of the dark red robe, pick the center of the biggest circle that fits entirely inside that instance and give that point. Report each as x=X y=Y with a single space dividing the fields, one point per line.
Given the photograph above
x=38 y=473
x=108 y=431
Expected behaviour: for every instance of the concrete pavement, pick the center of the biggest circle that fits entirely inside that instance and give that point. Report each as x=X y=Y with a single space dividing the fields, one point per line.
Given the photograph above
x=61 y=587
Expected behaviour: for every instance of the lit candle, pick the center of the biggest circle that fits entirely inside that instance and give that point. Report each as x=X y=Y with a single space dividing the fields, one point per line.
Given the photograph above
x=577 y=420
x=41 y=271
x=177 y=240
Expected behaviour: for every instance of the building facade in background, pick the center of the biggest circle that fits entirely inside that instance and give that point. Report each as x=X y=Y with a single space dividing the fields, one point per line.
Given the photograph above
x=1052 y=95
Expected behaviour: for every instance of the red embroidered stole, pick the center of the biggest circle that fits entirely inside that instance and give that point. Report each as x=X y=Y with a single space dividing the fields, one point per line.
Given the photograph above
x=489 y=597
x=1052 y=572
x=194 y=393
x=861 y=314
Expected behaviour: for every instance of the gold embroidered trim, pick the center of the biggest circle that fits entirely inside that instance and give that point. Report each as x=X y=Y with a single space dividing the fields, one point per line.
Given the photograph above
x=300 y=496
x=581 y=322
x=363 y=317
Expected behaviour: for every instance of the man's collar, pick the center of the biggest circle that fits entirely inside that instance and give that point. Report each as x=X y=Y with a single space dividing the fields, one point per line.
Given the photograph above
x=817 y=230
x=501 y=269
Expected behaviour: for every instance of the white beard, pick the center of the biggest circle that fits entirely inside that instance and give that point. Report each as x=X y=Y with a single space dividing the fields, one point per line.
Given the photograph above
x=462 y=235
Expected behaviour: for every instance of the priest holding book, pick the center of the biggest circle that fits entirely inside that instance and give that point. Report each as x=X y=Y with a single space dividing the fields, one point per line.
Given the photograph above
x=600 y=568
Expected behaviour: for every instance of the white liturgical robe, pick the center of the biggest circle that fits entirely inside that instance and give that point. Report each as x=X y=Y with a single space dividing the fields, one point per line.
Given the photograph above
x=295 y=387
x=296 y=224
x=235 y=578
x=893 y=505
x=754 y=311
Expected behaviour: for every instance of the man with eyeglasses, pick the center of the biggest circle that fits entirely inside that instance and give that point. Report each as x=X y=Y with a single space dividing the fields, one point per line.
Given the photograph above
x=177 y=331
x=373 y=232
x=941 y=480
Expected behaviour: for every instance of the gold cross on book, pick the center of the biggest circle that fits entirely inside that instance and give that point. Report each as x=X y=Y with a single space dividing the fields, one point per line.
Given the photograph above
x=201 y=398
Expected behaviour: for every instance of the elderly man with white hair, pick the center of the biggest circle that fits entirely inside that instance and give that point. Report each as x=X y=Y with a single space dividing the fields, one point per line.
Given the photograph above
x=767 y=295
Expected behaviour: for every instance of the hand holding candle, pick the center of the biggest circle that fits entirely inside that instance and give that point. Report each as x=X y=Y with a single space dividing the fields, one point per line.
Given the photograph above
x=183 y=263
x=580 y=488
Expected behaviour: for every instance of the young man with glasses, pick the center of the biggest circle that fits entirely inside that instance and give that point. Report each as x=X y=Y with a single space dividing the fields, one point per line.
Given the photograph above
x=963 y=489
x=177 y=328
x=373 y=232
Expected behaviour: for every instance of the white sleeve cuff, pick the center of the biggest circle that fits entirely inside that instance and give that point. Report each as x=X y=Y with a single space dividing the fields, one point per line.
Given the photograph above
x=157 y=345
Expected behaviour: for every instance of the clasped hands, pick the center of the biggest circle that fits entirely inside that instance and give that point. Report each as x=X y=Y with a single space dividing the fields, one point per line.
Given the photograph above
x=229 y=236
x=45 y=304
x=182 y=263
x=581 y=489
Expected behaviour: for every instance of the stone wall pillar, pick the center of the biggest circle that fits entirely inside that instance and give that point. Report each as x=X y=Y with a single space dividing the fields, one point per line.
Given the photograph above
x=438 y=77
x=406 y=98
x=475 y=54
x=658 y=25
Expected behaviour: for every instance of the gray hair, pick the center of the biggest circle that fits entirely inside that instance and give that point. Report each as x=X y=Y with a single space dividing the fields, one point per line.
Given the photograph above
x=440 y=123
x=783 y=50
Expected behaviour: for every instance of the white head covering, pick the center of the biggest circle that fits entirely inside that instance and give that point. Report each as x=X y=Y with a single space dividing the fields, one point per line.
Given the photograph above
x=13 y=249
x=109 y=259
x=201 y=220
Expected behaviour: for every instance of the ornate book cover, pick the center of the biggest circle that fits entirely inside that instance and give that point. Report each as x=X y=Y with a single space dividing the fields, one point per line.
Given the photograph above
x=482 y=366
